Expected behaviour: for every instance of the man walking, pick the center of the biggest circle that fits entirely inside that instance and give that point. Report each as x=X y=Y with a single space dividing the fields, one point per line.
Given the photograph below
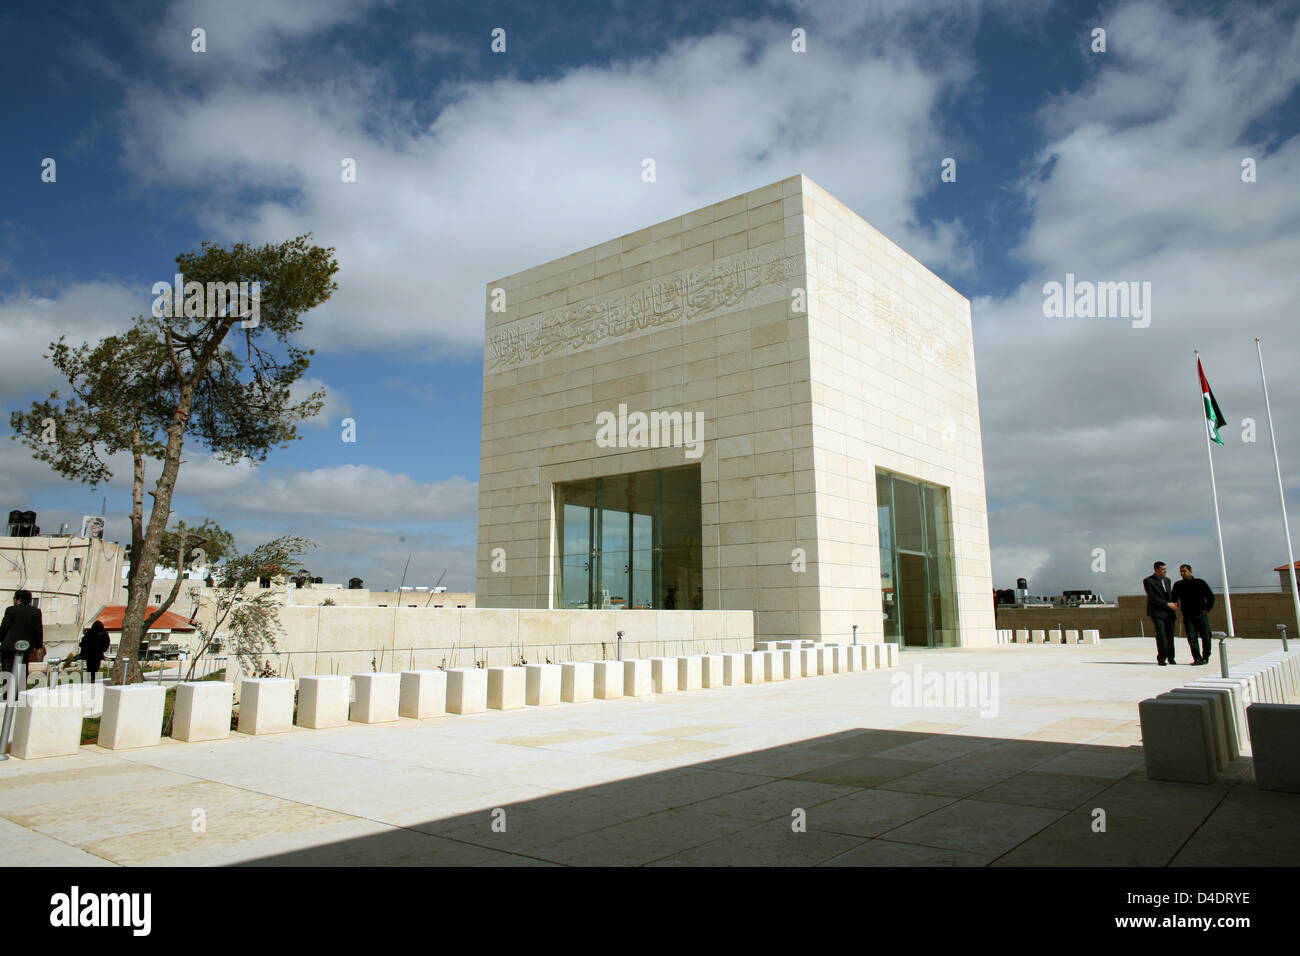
x=21 y=622
x=1195 y=599
x=1163 y=612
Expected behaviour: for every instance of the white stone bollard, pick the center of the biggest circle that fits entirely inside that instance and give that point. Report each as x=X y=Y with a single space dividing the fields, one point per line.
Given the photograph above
x=825 y=660
x=766 y=645
x=422 y=694
x=1092 y=636
x=755 y=667
x=466 y=690
x=733 y=669
x=202 y=710
x=1037 y=636
x=375 y=697
x=867 y=656
x=1218 y=729
x=663 y=673
x=1054 y=636
x=542 y=683
x=506 y=688
x=1177 y=739
x=323 y=701
x=1022 y=636
x=133 y=716
x=1239 y=691
x=637 y=680
x=608 y=678
x=773 y=665
x=47 y=722
x=265 y=705
x=1221 y=711
x=577 y=682
x=791 y=663
x=711 y=670
x=1274 y=730
x=689 y=676
x=1071 y=637
x=808 y=657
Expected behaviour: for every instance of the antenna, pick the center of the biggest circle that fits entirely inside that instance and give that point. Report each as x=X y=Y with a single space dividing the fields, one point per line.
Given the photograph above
x=434 y=590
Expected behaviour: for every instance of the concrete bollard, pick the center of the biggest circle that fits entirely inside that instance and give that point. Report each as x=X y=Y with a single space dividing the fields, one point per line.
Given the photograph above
x=1220 y=721
x=1274 y=730
x=422 y=694
x=542 y=684
x=773 y=665
x=1037 y=636
x=1071 y=637
x=825 y=660
x=323 y=701
x=202 y=710
x=689 y=675
x=47 y=722
x=1055 y=636
x=637 y=680
x=577 y=682
x=133 y=716
x=663 y=673
x=1022 y=636
x=808 y=658
x=607 y=680
x=375 y=697
x=791 y=663
x=1177 y=739
x=711 y=670
x=506 y=687
x=265 y=705
x=1092 y=636
x=466 y=690
x=733 y=669
x=755 y=667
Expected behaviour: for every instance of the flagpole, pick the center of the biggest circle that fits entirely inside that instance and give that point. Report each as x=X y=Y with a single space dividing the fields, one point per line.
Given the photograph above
x=1281 y=494
x=1218 y=525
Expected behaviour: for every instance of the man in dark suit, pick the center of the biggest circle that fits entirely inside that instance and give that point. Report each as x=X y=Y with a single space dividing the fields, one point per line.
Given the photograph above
x=1195 y=599
x=1163 y=612
x=21 y=622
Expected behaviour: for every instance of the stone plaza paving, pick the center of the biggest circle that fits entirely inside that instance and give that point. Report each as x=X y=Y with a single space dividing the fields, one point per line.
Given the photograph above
x=708 y=777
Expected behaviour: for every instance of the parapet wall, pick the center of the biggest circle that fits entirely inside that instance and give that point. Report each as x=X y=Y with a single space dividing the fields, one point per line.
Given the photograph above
x=356 y=640
x=1253 y=615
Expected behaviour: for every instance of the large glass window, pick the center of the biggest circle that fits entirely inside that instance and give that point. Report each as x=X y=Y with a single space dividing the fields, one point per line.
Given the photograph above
x=917 y=587
x=630 y=541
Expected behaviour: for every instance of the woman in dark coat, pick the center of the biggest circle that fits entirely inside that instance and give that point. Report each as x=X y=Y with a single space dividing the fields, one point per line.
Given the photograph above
x=94 y=645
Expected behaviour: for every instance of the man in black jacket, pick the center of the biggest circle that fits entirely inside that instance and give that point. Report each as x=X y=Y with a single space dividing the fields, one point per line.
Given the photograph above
x=1195 y=599
x=1163 y=612
x=21 y=622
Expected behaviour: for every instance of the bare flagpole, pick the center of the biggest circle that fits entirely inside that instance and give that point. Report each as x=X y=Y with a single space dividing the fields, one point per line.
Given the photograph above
x=1218 y=525
x=1281 y=494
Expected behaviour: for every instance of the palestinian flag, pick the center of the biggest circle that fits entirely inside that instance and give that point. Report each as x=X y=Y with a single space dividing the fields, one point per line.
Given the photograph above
x=1213 y=416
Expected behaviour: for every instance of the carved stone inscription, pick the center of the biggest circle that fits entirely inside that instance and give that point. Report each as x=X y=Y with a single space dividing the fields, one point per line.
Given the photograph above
x=724 y=285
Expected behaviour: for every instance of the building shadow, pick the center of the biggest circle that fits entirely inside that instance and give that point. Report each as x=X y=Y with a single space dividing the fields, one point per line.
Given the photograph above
x=862 y=797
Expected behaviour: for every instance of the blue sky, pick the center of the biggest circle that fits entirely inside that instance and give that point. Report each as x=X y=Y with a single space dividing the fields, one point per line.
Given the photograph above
x=1122 y=165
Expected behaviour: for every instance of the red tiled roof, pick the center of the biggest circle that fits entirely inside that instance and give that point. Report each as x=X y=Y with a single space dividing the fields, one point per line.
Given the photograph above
x=1283 y=567
x=111 y=617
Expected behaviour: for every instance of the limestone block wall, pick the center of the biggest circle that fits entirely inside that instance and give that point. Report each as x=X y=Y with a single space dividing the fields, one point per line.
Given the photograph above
x=893 y=387
x=814 y=349
x=350 y=640
x=691 y=314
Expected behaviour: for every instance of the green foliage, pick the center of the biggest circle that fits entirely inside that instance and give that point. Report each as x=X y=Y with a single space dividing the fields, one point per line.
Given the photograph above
x=211 y=539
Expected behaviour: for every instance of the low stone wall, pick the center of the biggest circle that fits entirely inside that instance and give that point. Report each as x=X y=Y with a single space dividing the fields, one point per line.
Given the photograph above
x=1253 y=616
x=354 y=640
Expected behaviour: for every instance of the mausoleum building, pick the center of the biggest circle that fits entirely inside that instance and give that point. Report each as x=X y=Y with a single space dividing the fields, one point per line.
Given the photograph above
x=759 y=405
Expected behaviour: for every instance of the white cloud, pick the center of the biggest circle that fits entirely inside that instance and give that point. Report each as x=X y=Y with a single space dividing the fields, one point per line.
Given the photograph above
x=1092 y=428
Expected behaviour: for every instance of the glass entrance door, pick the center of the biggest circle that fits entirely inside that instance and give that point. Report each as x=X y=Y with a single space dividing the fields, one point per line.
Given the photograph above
x=630 y=541
x=917 y=590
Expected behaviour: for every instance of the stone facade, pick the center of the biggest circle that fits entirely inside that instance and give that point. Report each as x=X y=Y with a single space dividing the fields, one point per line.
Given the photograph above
x=815 y=351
